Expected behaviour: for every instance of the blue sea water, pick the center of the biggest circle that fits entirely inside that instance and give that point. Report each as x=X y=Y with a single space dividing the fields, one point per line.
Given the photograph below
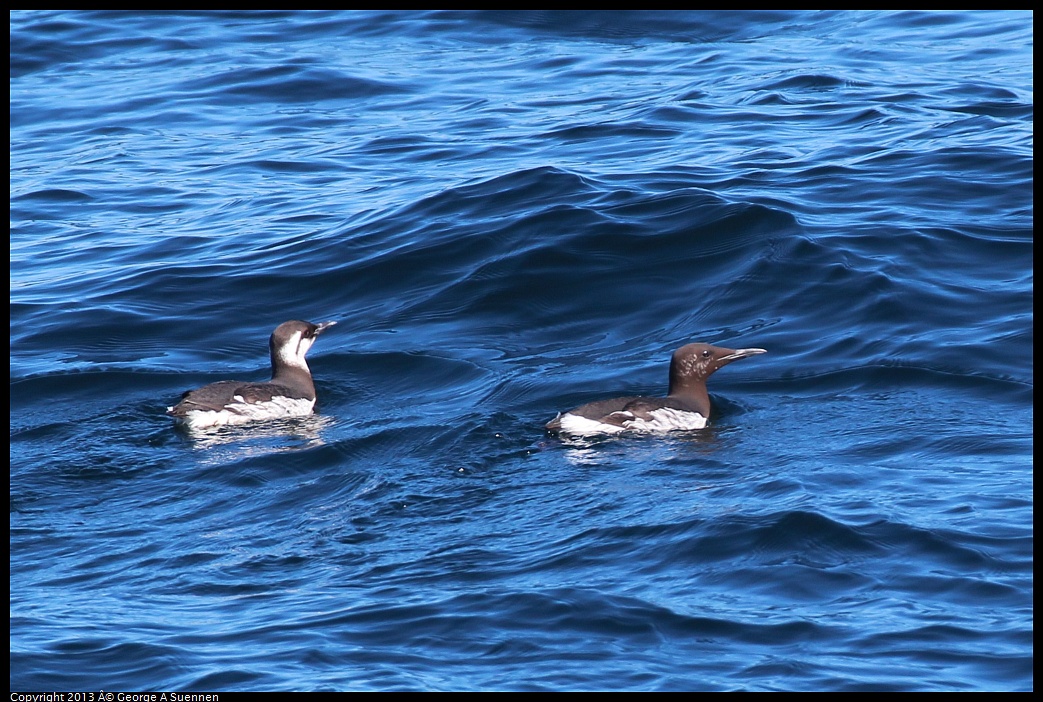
x=509 y=214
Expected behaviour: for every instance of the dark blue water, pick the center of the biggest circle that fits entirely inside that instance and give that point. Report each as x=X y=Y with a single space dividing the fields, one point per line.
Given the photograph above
x=509 y=214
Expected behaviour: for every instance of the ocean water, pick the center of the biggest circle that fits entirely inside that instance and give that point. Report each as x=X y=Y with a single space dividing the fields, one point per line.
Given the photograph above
x=509 y=214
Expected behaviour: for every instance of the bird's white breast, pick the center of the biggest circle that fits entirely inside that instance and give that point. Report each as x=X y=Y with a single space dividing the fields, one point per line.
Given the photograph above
x=240 y=412
x=667 y=419
x=581 y=426
x=663 y=419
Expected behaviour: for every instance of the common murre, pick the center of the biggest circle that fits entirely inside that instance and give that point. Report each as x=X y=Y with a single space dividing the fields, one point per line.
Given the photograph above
x=686 y=406
x=290 y=392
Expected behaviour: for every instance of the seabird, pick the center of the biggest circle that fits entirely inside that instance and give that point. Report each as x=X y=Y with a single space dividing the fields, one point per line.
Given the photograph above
x=290 y=392
x=686 y=406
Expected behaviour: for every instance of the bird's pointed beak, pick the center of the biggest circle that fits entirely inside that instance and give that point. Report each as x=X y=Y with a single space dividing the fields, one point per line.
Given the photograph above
x=323 y=326
x=736 y=354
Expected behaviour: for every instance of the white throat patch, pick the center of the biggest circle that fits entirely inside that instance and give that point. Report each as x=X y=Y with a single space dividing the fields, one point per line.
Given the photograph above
x=292 y=352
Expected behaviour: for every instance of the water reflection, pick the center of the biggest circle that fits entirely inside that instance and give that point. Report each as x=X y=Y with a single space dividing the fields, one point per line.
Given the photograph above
x=293 y=434
x=598 y=450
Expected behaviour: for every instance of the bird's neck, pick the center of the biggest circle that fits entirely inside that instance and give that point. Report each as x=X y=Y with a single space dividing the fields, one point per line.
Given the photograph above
x=693 y=394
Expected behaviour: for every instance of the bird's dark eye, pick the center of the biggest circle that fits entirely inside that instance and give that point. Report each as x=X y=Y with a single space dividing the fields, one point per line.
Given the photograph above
x=706 y=353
